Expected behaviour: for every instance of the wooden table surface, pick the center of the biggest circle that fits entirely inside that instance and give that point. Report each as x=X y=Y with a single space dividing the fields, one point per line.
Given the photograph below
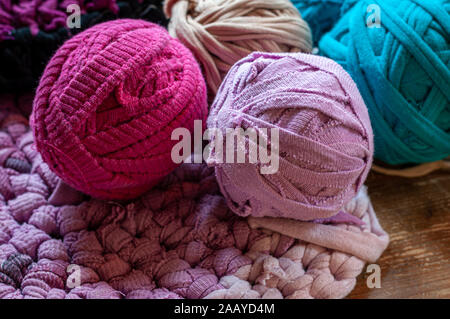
x=416 y=215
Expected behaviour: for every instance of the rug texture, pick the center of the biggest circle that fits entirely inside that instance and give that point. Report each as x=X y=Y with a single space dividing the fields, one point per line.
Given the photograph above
x=177 y=241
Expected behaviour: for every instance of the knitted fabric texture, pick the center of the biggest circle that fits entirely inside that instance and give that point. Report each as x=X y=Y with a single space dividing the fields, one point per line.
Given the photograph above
x=402 y=71
x=32 y=30
x=108 y=102
x=221 y=32
x=325 y=137
x=177 y=241
x=46 y=15
x=321 y=15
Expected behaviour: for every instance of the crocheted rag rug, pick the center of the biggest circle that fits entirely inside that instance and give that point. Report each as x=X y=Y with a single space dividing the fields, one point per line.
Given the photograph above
x=177 y=241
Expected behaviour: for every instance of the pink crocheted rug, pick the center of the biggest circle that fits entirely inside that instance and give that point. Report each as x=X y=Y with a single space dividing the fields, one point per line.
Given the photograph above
x=177 y=241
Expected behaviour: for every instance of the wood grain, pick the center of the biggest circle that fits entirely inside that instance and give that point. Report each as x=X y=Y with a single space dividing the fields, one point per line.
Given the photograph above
x=416 y=214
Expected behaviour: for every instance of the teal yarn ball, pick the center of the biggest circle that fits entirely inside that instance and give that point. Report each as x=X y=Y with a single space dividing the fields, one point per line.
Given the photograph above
x=401 y=66
x=321 y=15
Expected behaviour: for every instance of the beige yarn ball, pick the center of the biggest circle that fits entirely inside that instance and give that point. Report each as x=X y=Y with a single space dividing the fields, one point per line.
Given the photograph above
x=221 y=32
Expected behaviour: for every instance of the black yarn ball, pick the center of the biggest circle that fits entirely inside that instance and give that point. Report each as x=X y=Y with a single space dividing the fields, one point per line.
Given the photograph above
x=24 y=57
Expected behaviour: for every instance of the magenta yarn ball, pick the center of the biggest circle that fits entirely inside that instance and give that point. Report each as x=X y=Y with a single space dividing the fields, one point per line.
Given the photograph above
x=108 y=102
